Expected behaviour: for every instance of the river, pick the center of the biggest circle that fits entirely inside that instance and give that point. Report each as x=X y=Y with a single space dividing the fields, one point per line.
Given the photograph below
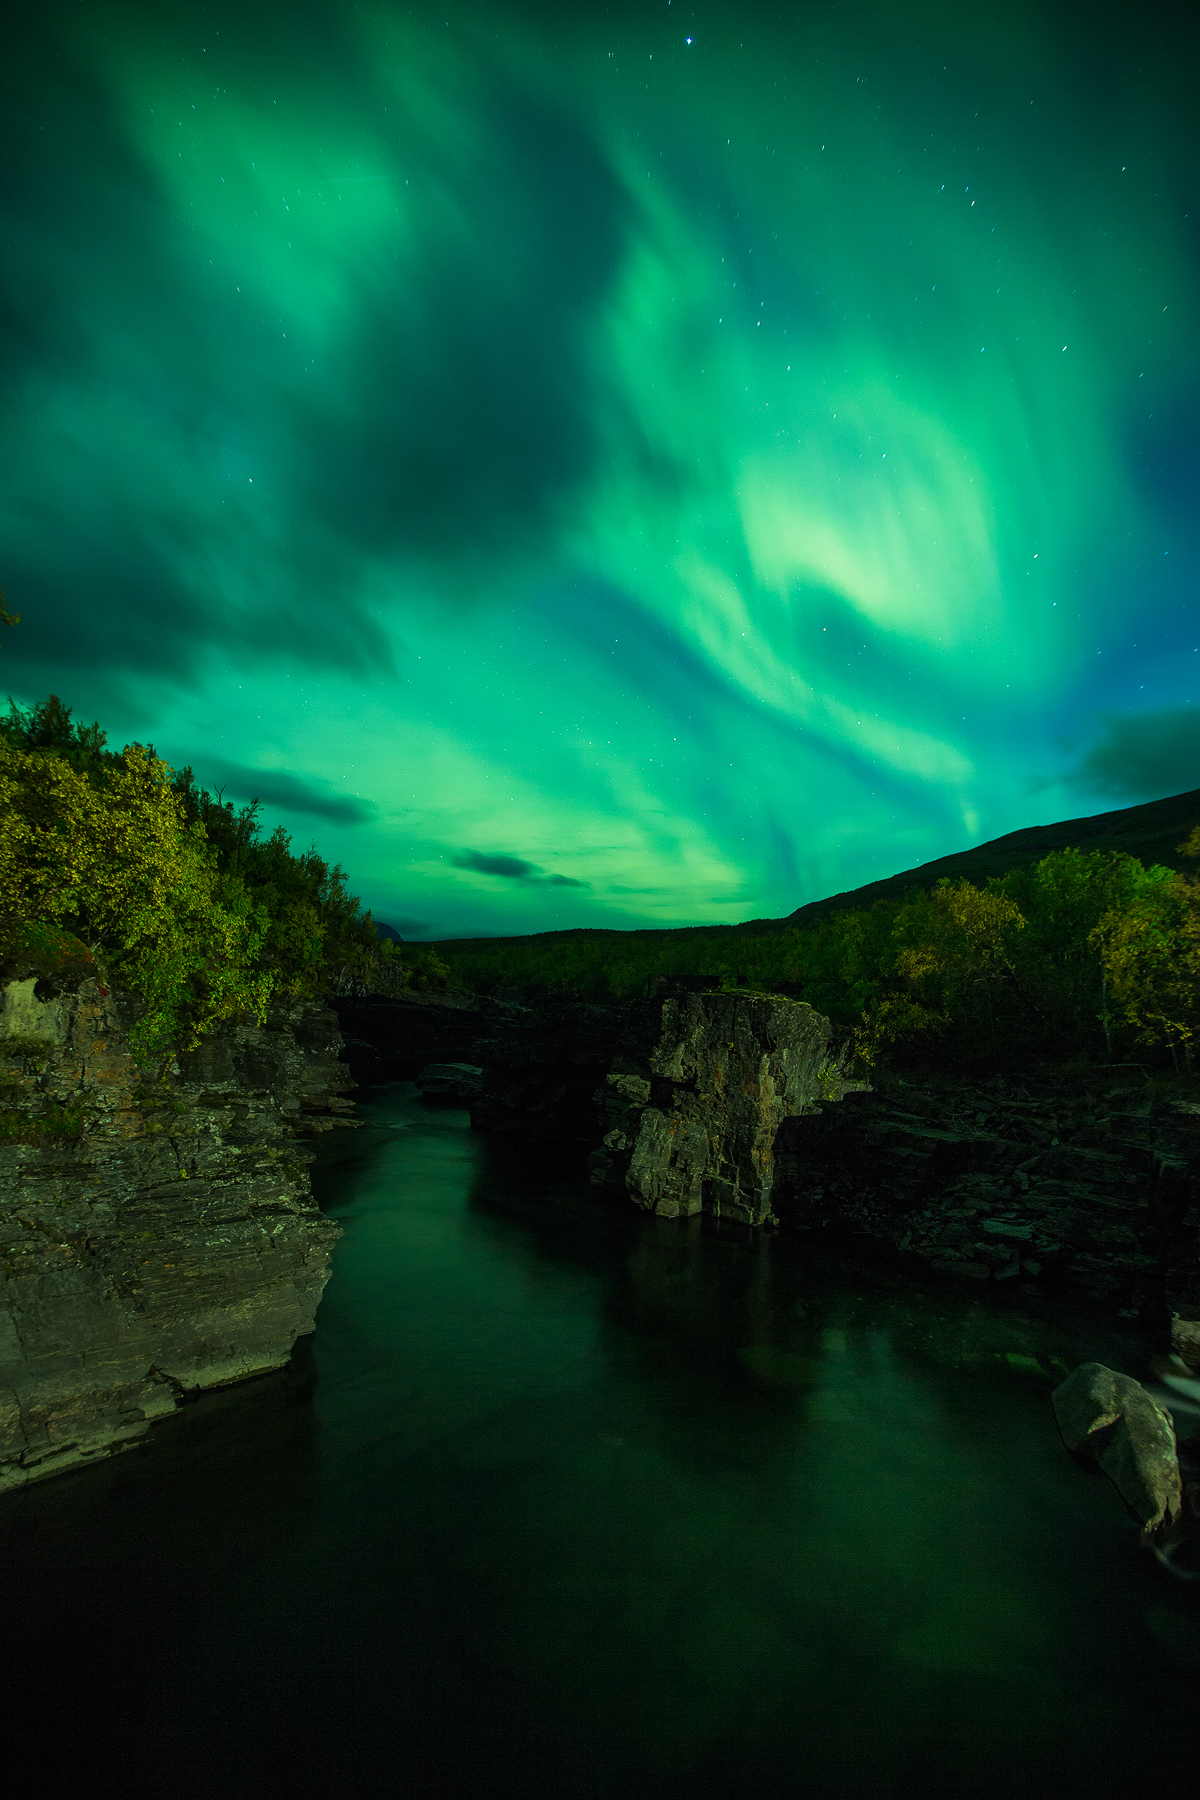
x=564 y=1500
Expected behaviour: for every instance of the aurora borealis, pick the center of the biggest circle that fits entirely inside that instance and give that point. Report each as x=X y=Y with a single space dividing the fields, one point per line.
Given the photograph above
x=610 y=466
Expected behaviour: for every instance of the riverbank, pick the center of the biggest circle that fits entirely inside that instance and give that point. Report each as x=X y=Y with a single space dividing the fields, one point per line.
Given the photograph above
x=576 y=1498
x=159 y=1235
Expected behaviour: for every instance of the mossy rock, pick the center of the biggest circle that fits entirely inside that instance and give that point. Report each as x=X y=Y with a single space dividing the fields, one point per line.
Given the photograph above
x=56 y=957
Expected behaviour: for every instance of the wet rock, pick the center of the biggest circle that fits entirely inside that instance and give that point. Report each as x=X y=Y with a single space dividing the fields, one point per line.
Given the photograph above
x=1185 y=1339
x=1095 y=1193
x=1110 y=1418
x=158 y=1236
x=393 y=1037
x=450 y=1081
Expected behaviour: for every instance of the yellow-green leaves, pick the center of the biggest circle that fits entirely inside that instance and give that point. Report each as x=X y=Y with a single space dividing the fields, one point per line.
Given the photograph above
x=114 y=860
x=1150 y=950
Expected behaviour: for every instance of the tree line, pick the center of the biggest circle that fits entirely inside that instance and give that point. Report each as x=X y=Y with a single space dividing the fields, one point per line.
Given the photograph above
x=113 y=860
x=1082 y=955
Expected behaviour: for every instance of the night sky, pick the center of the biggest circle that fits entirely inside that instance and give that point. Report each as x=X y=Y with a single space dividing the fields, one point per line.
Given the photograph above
x=584 y=465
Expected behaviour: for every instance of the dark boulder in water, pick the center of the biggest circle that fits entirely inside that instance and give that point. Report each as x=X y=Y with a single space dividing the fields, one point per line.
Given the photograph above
x=450 y=1081
x=1111 y=1419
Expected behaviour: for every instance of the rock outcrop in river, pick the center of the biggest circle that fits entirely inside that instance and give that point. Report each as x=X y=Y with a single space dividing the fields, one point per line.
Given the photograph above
x=158 y=1236
x=687 y=1092
x=1085 y=1186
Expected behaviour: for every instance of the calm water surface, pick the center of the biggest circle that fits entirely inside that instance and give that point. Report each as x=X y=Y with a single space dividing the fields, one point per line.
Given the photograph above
x=562 y=1500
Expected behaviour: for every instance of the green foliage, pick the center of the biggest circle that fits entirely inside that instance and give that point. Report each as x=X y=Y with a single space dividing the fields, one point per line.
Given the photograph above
x=1150 y=949
x=1056 y=961
x=388 y=968
x=313 y=927
x=106 y=854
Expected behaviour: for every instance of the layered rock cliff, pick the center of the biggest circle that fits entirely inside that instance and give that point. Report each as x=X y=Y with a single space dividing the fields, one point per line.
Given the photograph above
x=158 y=1236
x=686 y=1093
x=1086 y=1186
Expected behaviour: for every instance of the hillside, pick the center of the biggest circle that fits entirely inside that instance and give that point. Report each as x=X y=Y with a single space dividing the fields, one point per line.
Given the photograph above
x=1151 y=832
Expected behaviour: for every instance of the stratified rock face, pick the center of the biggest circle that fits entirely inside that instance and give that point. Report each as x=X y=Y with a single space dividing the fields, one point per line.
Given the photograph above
x=691 y=1124
x=158 y=1236
x=1086 y=1183
x=685 y=1093
x=1112 y=1419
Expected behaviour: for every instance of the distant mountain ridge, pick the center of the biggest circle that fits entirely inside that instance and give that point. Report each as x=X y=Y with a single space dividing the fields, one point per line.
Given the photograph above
x=1152 y=832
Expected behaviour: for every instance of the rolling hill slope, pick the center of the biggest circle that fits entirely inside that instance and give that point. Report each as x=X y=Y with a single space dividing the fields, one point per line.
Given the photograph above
x=1152 y=832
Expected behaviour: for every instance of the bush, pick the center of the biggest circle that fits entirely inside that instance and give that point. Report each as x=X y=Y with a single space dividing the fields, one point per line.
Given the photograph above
x=110 y=864
x=111 y=855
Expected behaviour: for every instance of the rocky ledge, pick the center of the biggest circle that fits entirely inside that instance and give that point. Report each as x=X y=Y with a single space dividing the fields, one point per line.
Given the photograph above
x=1086 y=1185
x=159 y=1236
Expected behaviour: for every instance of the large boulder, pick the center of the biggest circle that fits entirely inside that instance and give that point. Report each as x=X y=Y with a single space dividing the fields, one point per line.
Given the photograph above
x=694 y=1109
x=1111 y=1419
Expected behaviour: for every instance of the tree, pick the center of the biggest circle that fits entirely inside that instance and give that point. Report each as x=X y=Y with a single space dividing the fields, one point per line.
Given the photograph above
x=1150 y=949
x=114 y=864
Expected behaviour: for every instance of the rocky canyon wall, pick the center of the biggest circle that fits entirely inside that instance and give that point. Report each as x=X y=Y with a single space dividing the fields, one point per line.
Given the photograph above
x=159 y=1235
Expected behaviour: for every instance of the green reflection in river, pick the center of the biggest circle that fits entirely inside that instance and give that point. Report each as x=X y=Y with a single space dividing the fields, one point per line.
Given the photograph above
x=589 y=1504
x=729 y=1512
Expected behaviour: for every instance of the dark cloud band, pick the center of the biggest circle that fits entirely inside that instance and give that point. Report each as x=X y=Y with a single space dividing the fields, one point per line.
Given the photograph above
x=512 y=868
x=1145 y=757
x=275 y=787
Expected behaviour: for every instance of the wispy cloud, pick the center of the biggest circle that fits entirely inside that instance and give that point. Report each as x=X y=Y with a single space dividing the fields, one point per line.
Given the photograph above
x=512 y=868
x=275 y=787
x=1144 y=757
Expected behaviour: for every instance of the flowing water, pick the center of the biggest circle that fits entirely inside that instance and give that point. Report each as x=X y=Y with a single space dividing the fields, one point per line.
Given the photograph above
x=564 y=1500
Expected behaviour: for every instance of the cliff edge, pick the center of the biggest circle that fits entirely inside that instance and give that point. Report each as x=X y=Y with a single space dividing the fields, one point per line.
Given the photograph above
x=158 y=1236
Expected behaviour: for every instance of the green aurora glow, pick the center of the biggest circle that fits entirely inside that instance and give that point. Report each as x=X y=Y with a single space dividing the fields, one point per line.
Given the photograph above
x=654 y=465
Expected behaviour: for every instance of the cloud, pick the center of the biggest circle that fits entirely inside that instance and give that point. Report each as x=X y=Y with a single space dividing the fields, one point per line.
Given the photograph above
x=512 y=868
x=461 y=409
x=1145 y=757
x=261 y=452
x=275 y=787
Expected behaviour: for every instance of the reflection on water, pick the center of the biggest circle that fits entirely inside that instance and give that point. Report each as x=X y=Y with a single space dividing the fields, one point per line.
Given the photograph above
x=561 y=1499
